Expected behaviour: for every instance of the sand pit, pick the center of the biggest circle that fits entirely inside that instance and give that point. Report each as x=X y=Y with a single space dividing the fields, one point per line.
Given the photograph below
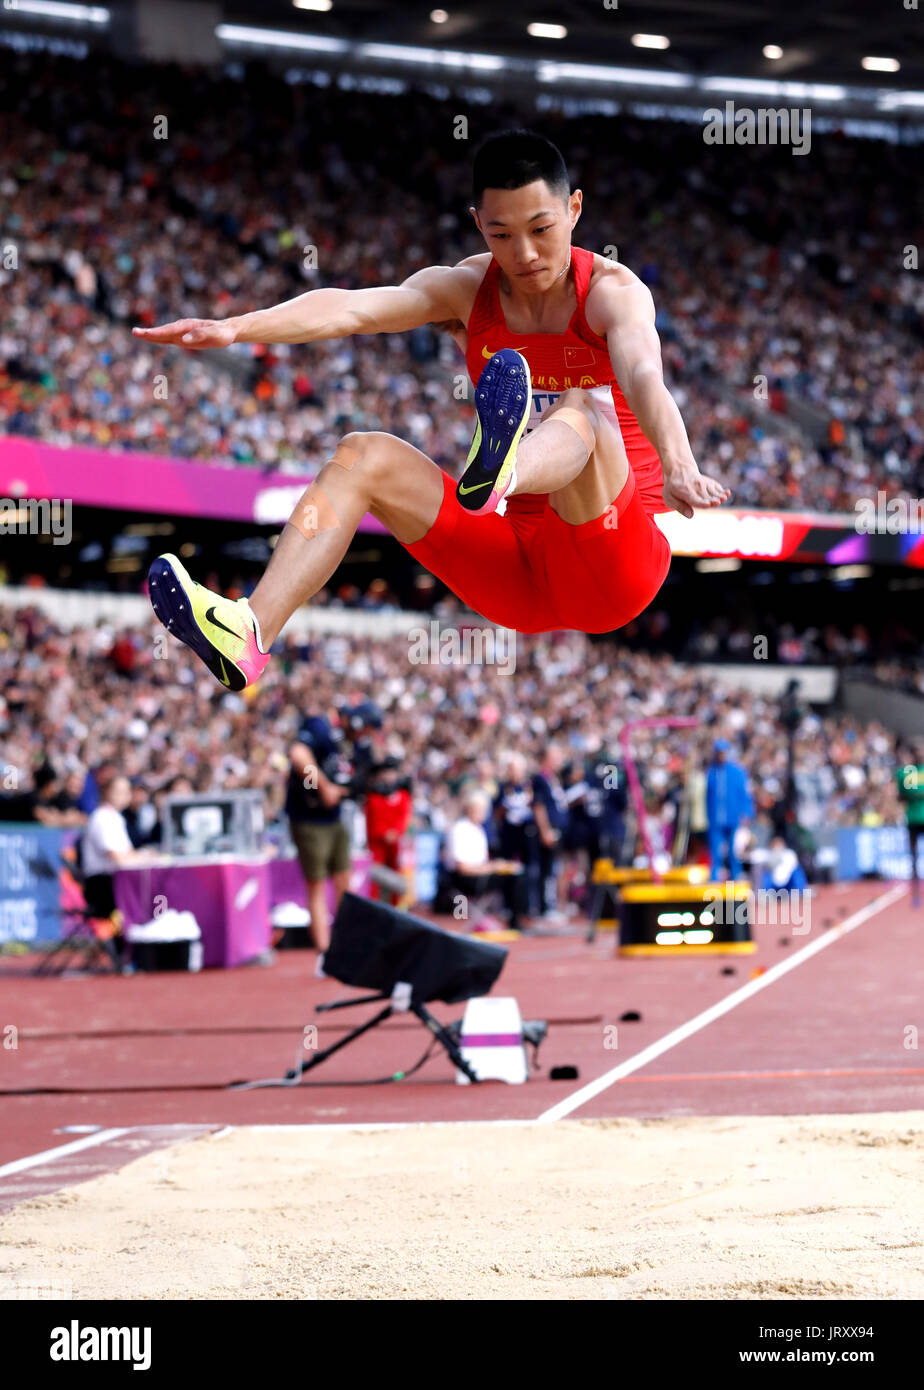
x=796 y=1207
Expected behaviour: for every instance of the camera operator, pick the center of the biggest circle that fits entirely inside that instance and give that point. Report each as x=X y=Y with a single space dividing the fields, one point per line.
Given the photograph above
x=320 y=777
x=359 y=723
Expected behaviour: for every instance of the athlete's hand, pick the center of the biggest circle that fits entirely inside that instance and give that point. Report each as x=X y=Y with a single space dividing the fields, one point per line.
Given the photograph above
x=685 y=488
x=191 y=333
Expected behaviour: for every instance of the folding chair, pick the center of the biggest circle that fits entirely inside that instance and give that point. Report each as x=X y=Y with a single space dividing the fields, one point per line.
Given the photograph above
x=84 y=933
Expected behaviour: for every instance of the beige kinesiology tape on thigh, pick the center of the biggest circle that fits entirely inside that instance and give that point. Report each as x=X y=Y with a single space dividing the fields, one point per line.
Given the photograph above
x=344 y=455
x=314 y=513
x=578 y=422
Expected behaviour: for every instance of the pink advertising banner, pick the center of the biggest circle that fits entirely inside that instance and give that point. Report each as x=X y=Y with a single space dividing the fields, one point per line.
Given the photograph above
x=149 y=483
x=887 y=531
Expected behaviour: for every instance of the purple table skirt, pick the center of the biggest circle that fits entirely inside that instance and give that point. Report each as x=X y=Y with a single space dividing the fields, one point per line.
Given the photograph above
x=230 y=899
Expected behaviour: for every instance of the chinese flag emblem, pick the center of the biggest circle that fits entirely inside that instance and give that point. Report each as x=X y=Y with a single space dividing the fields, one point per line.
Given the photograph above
x=580 y=357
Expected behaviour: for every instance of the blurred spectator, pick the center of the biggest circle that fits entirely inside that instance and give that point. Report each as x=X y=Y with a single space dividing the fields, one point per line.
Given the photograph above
x=910 y=781
x=472 y=873
x=515 y=828
x=780 y=869
x=122 y=655
x=388 y=808
x=728 y=803
x=58 y=798
x=104 y=847
x=552 y=817
x=141 y=817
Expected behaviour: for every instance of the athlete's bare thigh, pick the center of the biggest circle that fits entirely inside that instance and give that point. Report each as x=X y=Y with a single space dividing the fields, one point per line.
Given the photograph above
x=407 y=487
x=603 y=476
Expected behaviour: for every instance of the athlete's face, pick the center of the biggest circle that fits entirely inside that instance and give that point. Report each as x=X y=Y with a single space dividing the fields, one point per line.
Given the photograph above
x=528 y=231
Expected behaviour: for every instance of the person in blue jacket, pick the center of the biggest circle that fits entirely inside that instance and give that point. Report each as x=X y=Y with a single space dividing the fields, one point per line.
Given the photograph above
x=728 y=803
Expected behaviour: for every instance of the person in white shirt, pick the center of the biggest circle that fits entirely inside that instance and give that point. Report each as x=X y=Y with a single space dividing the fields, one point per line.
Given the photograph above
x=105 y=847
x=467 y=844
x=468 y=858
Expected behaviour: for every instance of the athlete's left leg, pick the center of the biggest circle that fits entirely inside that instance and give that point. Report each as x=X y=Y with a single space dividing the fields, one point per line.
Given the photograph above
x=368 y=472
x=598 y=549
x=575 y=456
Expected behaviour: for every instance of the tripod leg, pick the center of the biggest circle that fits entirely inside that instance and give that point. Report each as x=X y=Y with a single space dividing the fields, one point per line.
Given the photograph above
x=447 y=1040
x=335 y=1047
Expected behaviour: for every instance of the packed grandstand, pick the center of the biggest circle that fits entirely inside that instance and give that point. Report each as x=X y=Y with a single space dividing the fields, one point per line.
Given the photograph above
x=793 y=342
x=791 y=329
x=76 y=702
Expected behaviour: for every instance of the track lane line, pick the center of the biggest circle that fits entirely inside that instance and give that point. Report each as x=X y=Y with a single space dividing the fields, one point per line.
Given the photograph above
x=702 y=1020
x=19 y=1165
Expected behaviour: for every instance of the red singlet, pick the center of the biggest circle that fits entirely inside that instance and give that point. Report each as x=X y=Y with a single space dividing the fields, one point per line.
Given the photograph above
x=529 y=570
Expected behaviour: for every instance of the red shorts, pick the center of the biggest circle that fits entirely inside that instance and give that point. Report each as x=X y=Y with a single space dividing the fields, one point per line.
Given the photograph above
x=532 y=572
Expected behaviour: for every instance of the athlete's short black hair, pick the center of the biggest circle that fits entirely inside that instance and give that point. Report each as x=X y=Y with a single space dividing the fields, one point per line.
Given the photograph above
x=514 y=158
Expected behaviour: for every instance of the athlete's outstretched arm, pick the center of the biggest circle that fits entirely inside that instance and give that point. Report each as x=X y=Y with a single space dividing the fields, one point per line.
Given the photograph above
x=627 y=313
x=428 y=296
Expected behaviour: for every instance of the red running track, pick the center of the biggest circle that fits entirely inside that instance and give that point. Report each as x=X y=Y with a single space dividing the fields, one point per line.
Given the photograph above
x=834 y=1034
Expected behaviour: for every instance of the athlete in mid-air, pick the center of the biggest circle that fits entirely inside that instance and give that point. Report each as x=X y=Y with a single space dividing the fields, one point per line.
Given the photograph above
x=578 y=443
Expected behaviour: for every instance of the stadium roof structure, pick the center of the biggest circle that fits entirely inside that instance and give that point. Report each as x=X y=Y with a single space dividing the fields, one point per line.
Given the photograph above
x=824 y=42
x=848 y=58
x=821 y=42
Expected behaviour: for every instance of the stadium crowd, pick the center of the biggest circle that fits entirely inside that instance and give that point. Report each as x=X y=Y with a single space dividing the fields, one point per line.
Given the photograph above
x=768 y=638
x=776 y=277
x=902 y=675
x=74 y=705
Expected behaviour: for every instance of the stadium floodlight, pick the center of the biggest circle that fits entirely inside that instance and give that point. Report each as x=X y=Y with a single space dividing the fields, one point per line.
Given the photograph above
x=278 y=38
x=324 y=5
x=59 y=9
x=772 y=51
x=547 y=31
x=650 y=41
x=718 y=565
x=769 y=87
x=595 y=72
x=843 y=572
x=435 y=57
x=880 y=64
x=439 y=16
x=894 y=101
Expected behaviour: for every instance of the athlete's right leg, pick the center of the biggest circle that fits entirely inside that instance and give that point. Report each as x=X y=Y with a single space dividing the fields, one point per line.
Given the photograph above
x=370 y=472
